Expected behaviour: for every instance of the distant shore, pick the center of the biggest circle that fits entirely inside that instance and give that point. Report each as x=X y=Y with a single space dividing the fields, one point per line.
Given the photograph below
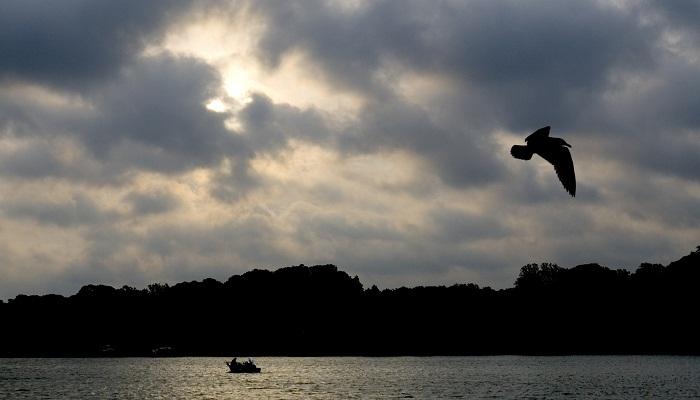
x=322 y=311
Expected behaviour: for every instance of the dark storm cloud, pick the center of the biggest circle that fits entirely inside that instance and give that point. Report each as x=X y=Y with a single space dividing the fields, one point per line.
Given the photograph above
x=539 y=61
x=678 y=156
x=251 y=237
x=673 y=103
x=656 y=127
x=143 y=113
x=515 y=65
x=349 y=46
x=36 y=161
x=680 y=15
x=269 y=126
x=341 y=227
x=80 y=210
x=674 y=205
x=155 y=112
x=461 y=156
x=76 y=43
x=455 y=226
x=150 y=117
x=137 y=113
x=536 y=55
x=154 y=202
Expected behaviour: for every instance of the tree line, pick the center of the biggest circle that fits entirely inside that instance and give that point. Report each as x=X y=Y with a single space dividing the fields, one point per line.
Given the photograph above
x=320 y=310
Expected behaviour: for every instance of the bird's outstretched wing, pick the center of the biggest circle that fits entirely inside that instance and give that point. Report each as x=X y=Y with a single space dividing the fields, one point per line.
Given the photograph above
x=560 y=157
x=542 y=132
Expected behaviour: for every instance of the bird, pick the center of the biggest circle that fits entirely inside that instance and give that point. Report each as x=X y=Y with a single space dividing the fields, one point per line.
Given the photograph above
x=553 y=150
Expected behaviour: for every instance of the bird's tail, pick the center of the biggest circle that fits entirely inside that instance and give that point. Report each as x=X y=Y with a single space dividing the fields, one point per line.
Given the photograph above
x=521 y=152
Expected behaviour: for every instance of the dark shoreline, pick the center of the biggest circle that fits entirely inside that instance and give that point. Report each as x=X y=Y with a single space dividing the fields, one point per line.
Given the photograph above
x=321 y=311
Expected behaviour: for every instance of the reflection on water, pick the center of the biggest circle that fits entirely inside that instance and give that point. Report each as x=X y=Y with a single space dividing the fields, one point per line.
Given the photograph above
x=629 y=377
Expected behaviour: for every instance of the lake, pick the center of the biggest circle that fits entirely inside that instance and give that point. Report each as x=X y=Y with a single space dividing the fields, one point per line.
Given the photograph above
x=610 y=377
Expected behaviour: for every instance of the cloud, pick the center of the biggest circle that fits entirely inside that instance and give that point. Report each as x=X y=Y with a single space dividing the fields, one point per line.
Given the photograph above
x=114 y=169
x=36 y=160
x=148 y=203
x=150 y=117
x=520 y=58
x=678 y=16
x=511 y=65
x=153 y=118
x=460 y=156
x=270 y=126
x=79 y=210
x=77 y=44
x=457 y=226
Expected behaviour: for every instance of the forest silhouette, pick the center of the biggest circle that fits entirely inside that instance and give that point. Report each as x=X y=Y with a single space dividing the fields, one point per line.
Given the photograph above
x=320 y=310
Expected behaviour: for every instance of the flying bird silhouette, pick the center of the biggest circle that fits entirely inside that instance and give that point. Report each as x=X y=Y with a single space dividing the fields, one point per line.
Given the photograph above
x=553 y=150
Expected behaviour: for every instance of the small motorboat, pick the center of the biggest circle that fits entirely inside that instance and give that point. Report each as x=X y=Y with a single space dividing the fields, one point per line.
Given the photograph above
x=246 y=367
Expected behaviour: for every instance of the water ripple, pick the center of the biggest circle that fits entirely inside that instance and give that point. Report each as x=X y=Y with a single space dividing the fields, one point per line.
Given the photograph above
x=507 y=377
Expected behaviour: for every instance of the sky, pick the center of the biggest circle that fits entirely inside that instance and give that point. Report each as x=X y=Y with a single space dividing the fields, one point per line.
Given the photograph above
x=164 y=141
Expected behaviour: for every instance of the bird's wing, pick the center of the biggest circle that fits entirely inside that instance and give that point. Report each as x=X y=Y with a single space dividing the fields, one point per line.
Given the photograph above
x=560 y=157
x=542 y=132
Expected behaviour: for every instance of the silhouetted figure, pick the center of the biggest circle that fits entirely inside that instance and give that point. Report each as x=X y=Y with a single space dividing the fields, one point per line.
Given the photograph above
x=553 y=150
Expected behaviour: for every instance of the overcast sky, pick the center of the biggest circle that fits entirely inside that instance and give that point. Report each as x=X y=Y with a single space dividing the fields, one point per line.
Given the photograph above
x=162 y=141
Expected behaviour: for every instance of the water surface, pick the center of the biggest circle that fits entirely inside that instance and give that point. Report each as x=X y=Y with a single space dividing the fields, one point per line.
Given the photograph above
x=618 y=377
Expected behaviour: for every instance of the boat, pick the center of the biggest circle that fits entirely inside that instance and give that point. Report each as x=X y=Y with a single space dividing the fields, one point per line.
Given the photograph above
x=246 y=367
x=162 y=351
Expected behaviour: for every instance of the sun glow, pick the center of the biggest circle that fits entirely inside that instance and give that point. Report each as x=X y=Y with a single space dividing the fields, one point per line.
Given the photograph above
x=216 y=105
x=239 y=84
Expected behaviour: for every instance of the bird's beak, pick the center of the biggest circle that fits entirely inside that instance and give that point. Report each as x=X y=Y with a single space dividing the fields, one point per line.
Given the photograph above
x=566 y=144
